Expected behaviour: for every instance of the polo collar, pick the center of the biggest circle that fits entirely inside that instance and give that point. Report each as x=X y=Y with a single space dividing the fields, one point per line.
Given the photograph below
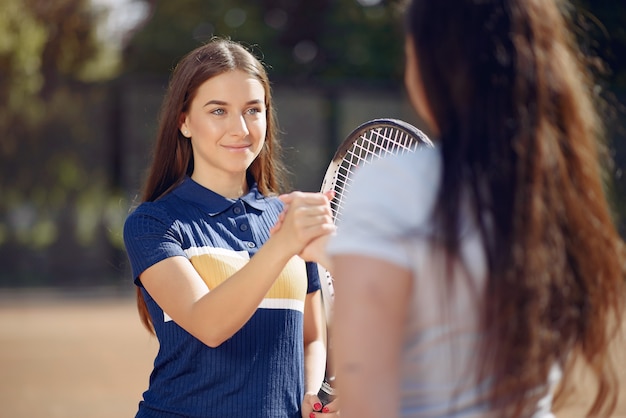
x=214 y=203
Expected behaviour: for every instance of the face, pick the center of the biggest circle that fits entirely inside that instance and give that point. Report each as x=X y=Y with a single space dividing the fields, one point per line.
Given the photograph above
x=226 y=123
x=414 y=86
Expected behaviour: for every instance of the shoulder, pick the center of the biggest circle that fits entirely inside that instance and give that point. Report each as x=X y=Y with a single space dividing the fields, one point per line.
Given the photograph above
x=425 y=162
x=148 y=217
x=147 y=209
x=389 y=200
x=399 y=186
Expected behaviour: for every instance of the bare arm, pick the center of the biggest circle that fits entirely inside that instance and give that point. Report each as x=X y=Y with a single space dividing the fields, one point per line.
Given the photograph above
x=314 y=343
x=371 y=305
x=213 y=317
x=314 y=348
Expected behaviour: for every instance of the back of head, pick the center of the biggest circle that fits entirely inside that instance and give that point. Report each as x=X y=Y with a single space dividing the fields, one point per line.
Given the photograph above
x=484 y=62
x=519 y=130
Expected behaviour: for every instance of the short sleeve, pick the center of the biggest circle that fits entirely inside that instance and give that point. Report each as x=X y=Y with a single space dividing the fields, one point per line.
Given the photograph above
x=150 y=236
x=389 y=199
x=313 y=276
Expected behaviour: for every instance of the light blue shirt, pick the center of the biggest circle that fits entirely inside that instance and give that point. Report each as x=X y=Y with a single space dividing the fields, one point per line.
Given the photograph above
x=388 y=215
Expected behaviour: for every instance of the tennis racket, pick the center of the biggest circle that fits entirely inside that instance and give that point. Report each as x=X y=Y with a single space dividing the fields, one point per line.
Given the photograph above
x=370 y=141
x=375 y=139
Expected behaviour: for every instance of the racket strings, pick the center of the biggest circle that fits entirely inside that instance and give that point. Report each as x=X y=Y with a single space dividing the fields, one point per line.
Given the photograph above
x=373 y=140
x=371 y=144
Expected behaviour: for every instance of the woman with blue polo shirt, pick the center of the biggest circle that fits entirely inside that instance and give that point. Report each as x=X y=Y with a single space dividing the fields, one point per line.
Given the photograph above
x=234 y=305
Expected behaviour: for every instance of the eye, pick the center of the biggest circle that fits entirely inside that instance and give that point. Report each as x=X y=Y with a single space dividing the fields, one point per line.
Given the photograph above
x=254 y=111
x=218 y=111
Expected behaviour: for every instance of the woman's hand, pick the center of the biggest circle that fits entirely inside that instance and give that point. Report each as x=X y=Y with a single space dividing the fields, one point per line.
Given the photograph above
x=312 y=407
x=305 y=218
x=316 y=251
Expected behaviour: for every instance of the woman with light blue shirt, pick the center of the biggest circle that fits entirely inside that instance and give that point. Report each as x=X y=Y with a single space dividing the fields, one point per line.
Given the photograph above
x=469 y=275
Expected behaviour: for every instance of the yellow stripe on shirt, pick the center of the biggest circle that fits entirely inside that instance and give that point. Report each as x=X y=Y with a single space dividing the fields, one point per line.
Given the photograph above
x=215 y=265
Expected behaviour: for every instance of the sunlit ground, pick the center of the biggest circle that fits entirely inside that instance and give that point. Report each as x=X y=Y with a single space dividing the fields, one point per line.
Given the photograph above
x=89 y=357
x=72 y=358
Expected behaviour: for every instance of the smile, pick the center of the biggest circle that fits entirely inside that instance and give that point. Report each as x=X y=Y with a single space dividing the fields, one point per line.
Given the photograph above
x=238 y=147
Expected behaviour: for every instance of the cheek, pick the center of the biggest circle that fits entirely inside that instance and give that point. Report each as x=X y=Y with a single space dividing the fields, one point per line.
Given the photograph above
x=208 y=129
x=259 y=127
x=413 y=88
x=415 y=92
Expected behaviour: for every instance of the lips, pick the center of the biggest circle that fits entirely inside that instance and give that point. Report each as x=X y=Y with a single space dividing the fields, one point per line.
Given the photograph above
x=237 y=147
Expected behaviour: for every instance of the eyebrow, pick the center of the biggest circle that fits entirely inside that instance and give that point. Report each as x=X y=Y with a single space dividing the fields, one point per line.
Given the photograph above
x=222 y=103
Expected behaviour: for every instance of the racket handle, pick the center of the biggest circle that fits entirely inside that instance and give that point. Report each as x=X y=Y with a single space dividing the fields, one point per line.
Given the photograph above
x=327 y=393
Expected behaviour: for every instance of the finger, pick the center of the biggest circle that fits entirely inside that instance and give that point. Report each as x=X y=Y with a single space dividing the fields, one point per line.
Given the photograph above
x=333 y=406
x=305 y=220
x=317 y=405
x=289 y=197
x=311 y=403
x=306 y=198
x=307 y=230
x=312 y=210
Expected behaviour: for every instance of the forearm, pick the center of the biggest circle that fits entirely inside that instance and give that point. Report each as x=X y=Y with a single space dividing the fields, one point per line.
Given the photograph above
x=219 y=314
x=214 y=315
x=314 y=343
x=314 y=351
x=314 y=366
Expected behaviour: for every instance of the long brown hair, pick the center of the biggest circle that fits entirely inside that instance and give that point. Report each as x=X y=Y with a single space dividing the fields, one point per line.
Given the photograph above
x=173 y=157
x=520 y=129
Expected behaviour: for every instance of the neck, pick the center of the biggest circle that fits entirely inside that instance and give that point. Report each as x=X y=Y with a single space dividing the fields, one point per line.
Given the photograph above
x=231 y=188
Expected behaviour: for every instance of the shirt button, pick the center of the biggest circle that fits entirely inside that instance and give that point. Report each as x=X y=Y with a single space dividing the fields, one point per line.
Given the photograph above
x=243 y=227
x=237 y=210
x=251 y=244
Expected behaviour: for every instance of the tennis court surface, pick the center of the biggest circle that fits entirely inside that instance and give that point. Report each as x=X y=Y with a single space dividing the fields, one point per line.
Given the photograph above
x=87 y=356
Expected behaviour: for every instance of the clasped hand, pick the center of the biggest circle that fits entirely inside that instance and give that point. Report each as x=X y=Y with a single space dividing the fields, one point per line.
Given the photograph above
x=306 y=222
x=313 y=408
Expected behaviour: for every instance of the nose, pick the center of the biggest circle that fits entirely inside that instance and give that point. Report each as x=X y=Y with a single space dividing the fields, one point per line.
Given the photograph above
x=239 y=126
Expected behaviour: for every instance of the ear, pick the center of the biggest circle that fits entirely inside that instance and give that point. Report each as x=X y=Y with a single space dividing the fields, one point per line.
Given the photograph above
x=184 y=126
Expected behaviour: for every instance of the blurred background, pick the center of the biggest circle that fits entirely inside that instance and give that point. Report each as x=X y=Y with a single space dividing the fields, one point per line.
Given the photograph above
x=81 y=83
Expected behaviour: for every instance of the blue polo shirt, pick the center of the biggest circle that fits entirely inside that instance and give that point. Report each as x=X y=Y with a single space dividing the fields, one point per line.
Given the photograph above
x=259 y=371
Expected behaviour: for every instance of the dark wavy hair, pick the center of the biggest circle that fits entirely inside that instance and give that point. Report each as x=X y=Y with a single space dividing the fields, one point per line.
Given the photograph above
x=173 y=156
x=520 y=129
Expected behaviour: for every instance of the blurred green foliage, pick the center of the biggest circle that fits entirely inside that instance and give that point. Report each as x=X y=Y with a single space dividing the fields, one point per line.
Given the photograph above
x=302 y=41
x=54 y=197
x=61 y=207
x=330 y=40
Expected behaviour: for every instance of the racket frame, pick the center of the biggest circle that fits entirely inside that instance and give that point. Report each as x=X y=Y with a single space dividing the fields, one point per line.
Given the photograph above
x=411 y=136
